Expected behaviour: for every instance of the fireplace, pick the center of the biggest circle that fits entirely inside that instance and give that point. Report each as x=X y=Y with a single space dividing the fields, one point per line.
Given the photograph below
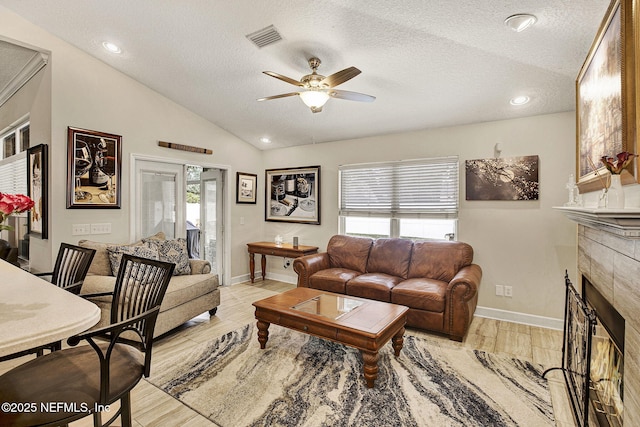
x=606 y=384
x=609 y=258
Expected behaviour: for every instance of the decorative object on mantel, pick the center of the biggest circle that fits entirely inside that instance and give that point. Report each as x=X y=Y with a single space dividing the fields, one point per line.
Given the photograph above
x=183 y=147
x=575 y=198
x=615 y=192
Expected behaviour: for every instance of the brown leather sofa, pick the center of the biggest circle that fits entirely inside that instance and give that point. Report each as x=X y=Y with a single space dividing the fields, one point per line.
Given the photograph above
x=435 y=279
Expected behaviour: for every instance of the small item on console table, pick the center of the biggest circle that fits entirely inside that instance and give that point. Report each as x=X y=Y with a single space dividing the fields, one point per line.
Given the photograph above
x=285 y=250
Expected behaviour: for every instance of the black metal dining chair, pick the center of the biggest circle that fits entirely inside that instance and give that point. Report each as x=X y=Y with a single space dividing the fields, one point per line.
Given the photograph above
x=72 y=265
x=86 y=379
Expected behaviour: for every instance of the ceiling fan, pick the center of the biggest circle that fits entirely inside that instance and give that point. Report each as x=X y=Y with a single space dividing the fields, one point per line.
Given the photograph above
x=318 y=89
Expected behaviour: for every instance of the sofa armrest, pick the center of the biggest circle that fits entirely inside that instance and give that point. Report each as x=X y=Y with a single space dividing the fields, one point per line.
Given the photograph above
x=305 y=266
x=462 y=298
x=200 y=266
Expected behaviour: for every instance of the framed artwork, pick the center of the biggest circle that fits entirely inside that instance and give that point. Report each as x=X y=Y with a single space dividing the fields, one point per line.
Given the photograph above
x=514 y=178
x=246 y=184
x=94 y=166
x=293 y=195
x=605 y=97
x=38 y=190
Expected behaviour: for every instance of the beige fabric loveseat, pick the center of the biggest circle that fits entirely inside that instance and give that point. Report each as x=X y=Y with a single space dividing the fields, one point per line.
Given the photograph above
x=187 y=296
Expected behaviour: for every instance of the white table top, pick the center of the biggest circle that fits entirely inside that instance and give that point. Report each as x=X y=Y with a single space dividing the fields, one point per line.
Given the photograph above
x=34 y=312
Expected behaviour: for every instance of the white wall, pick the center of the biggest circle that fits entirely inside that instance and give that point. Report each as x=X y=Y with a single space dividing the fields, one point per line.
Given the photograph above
x=525 y=244
x=87 y=93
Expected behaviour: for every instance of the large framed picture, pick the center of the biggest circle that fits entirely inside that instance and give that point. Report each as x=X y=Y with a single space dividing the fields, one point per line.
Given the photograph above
x=37 y=189
x=246 y=184
x=93 y=169
x=605 y=94
x=293 y=195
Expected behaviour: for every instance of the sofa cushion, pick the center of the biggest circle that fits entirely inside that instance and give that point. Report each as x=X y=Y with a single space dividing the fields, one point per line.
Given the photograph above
x=181 y=290
x=390 y=256
x=101 y=264
x=375 y=286
x=332 y=279
x=349 y=252
x=422 y=294
x=116 y=252
x=173 y=251
x=439 y=260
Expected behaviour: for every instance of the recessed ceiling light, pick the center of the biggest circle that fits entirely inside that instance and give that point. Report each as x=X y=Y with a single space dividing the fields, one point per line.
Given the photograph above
x=520 y=22
x=111 y=47
x=519 y=100
x=265 y=140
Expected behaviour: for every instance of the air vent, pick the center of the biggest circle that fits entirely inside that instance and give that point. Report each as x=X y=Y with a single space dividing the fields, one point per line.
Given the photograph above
x=265 y=36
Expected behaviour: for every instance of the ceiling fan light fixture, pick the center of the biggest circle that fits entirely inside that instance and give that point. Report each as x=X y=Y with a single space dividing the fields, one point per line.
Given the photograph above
x=314 y=98
x=520 y=22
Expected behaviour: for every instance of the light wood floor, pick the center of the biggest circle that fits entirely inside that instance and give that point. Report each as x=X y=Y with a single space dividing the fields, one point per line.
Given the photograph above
x=153 y=407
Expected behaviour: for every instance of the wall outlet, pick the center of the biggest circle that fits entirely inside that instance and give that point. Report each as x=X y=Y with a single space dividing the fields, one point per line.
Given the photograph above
x=508 y=291
x=80 y=229
x=241 y=220
x=499 y=290
x=103 y=228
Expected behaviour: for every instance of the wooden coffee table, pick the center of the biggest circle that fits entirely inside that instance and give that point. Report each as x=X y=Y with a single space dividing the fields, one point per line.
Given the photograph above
x=357 y=322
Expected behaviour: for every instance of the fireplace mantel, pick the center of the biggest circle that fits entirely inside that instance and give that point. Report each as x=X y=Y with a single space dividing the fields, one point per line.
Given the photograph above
x=621 y=222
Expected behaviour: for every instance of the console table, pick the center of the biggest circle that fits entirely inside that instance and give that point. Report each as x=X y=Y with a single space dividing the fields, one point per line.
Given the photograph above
x=286 y=250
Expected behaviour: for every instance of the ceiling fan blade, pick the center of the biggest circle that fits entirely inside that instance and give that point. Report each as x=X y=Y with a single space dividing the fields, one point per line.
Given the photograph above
x=350 y=96
x=340 y=77
x=283 y=78
x=284 y=95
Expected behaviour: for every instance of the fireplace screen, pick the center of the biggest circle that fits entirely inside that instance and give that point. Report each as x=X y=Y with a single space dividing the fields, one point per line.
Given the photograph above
x=579 y=323
x=606 y=380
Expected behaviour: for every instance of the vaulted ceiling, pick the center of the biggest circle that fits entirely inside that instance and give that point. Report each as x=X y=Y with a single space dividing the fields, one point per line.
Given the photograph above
x=428 y=63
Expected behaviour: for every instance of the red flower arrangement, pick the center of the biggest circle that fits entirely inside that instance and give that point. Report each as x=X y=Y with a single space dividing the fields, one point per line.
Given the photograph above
x=11 y=204
x=616 y=165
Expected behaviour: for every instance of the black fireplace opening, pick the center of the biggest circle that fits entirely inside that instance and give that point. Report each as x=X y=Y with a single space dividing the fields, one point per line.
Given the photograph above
x=606 y=382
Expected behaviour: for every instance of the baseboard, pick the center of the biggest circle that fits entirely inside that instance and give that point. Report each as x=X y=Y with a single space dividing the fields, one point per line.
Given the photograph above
x=270 y=276
x=523 y=318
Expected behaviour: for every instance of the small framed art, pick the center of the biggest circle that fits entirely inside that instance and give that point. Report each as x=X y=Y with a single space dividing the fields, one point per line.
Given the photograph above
x=37 y=189
x=246 y=184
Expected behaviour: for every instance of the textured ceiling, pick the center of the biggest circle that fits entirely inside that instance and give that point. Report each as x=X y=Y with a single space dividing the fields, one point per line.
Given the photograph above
x=429 y=63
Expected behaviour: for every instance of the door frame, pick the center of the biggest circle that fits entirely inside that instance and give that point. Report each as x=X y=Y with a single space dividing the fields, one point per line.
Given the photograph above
x=225 y=279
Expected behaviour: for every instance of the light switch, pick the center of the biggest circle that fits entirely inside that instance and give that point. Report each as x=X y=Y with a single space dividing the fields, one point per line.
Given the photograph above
x=80 y=229
x=102 y=228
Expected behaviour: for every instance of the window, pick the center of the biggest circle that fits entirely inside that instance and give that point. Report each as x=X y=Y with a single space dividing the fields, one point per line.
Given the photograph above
x=416 y=199
x=15 y=140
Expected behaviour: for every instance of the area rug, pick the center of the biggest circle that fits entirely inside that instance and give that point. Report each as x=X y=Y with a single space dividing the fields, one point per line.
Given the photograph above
x=299 y=380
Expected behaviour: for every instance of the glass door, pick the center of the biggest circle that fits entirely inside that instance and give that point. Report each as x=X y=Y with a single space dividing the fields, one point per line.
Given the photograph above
x=211 y=219
x=160 y=189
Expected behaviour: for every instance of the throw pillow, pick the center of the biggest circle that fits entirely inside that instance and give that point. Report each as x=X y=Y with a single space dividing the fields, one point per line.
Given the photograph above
x=116 y=252
x=174 y=251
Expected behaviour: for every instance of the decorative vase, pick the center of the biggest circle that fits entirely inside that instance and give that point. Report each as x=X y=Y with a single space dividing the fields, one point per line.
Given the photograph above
x=615 y=197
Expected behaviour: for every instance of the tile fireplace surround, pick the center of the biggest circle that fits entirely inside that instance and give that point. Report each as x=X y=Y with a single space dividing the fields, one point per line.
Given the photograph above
x=609 y=257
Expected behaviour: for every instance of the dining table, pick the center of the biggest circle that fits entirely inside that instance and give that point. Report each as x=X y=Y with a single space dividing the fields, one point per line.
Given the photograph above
x=34 y=312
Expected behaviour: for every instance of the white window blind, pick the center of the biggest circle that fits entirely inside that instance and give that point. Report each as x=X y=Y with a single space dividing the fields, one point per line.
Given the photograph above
x=426 y=188
x=13 y=174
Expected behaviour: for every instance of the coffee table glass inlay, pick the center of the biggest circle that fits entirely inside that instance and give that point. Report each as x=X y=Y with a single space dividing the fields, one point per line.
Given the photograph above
x=329 y=305
x=357 y=322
